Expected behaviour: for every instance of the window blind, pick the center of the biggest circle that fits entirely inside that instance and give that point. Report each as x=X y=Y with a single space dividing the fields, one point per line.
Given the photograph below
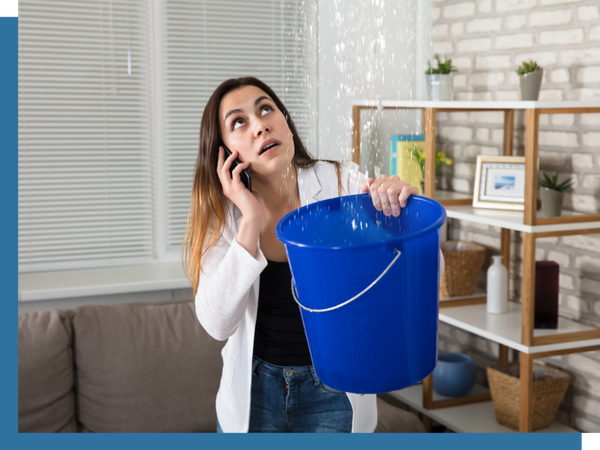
x=85 y=143
x=209 y=41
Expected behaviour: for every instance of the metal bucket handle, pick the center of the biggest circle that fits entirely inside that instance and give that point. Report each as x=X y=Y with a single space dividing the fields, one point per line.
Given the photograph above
x=353 y=298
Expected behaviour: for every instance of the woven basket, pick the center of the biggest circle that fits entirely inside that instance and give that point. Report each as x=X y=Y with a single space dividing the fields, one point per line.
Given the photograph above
x=463 y=262
x=549 y=387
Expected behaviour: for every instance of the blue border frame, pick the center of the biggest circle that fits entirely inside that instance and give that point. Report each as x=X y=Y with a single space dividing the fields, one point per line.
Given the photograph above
x=9 y=419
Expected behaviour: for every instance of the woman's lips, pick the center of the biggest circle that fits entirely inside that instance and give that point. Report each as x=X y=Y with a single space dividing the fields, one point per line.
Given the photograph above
x=271 y=150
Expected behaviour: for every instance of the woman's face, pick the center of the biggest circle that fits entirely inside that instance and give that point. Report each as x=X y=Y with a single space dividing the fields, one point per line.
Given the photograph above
x=252 y=125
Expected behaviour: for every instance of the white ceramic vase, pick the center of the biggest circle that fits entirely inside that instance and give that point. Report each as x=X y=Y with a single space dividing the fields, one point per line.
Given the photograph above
x=497 y=287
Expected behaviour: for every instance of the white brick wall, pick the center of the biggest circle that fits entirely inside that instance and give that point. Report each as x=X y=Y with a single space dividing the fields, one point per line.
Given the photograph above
x=512 y=5
x=544 y=59
x=515 y=22
x=555 y=17
x=464 y=9
x=574 y=36
x=484 y=25
x=588 y=264
x=493 y=62
x=474 y=45
x=490 y=39
x=586 y=13
x=558 y=139
x=591 y=139
x=589 y=75
x=509 y=41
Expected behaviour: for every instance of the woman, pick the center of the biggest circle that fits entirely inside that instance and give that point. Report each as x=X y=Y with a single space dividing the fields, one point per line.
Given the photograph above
x=239 y=269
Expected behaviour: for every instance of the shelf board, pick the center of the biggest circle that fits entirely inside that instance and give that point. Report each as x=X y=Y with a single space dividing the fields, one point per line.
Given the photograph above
x=479 y=296
x=441 y=195
x=101 y=281
x=472 y=418
x=476 y=104
x=505 y=329
x=513 y=220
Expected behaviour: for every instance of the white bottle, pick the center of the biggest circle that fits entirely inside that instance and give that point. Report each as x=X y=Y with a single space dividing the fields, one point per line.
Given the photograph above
x=497 y=287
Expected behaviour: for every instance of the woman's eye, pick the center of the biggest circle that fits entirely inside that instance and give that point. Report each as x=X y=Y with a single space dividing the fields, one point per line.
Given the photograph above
x=267 y=109
x=237 y=122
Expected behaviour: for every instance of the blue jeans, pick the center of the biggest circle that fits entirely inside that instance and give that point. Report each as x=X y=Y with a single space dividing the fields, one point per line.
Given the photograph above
x=293 y=400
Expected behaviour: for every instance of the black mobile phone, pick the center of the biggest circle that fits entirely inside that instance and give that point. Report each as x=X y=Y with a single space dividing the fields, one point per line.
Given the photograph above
x=244 y=175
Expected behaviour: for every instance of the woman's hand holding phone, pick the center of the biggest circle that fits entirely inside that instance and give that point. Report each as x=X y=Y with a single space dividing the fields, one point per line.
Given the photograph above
x=250 y=204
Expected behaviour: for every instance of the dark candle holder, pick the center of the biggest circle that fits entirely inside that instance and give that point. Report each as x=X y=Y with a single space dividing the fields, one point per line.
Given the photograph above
x=546 y=294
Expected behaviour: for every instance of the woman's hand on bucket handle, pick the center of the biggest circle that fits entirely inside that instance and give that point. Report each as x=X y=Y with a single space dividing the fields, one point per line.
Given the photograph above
x=389 y=194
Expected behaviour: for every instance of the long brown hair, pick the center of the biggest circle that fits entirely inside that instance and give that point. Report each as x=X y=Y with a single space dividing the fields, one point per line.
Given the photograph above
x=207 y=206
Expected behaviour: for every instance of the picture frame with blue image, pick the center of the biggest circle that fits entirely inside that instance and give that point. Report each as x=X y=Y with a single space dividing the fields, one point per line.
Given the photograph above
x=500 y=182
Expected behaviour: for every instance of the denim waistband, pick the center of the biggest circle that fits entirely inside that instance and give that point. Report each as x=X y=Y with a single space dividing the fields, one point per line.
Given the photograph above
x=284 y=371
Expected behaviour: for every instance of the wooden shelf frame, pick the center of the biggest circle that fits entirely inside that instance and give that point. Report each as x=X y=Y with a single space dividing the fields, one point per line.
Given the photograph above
x=532 y=119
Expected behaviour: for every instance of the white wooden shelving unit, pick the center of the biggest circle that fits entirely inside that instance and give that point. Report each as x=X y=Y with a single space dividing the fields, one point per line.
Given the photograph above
x=474 y=413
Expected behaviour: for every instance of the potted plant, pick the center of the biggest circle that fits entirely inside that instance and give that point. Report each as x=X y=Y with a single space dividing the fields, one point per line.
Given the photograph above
x=530 y=78
x=440 y=160
x=439 y=79
x=552 y=194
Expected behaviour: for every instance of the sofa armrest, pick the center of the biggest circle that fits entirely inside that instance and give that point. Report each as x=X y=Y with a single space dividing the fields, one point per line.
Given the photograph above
x=46 y=397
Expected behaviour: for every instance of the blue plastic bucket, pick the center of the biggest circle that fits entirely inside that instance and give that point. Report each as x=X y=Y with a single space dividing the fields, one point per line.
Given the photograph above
x=369 y=289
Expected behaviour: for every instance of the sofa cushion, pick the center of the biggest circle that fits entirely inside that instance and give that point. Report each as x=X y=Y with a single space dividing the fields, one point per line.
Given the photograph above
x=46 y=398
x=145 y=368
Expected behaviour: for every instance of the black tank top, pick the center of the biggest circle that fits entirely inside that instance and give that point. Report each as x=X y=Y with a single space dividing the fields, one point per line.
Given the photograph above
x=279 y=336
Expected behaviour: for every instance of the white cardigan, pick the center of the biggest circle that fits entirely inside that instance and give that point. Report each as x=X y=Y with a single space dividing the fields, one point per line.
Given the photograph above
x=227 y=302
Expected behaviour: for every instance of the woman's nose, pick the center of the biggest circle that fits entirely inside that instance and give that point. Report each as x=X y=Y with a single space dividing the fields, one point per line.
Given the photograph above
x=261 y=128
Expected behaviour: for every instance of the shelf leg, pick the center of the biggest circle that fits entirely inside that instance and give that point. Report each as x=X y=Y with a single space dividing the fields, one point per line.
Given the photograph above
x=526 y=394
x=528 y=289
x=505 y=252
x=428 y=392
x=429 y=117
x=356 y=134
x=502 y=354
x=532 y=128
x=427 y=422
x=509 y=125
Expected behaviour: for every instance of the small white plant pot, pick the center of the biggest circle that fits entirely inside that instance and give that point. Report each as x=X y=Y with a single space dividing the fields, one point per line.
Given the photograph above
x=439 y=86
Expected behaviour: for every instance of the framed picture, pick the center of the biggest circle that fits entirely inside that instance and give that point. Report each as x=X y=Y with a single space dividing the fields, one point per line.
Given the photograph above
x=500 y=182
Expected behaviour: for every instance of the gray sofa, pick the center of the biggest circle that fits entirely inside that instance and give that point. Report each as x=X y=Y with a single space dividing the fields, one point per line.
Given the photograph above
x=128 y=368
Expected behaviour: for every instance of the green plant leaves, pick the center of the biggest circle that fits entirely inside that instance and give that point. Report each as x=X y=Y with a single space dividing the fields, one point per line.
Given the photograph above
x=528 y=67
x=443 y=68
x=551 y=183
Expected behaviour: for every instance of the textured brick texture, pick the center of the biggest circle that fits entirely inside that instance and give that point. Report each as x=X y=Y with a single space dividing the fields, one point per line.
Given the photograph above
x=488 y=40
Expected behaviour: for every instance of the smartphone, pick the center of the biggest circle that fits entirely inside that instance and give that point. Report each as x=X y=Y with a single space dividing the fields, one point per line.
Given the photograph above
x=244 y=175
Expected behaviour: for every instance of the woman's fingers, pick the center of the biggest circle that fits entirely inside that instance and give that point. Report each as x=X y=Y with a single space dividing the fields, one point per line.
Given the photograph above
x=236 y=174
x=406 y=192
x=224 y=165
x=390 y=194
x=374 y=191
x=365 y=186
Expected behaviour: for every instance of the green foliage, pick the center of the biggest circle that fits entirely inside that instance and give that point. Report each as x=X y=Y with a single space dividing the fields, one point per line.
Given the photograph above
x=442 y=67
x=440 y=159
x=528 y=67
x=551 y=183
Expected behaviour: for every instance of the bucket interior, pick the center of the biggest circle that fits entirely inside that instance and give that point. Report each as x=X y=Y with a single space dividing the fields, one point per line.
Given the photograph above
x=354 y=221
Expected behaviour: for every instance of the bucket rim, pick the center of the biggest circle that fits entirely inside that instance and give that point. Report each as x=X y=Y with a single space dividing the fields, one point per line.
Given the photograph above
x=390 y=242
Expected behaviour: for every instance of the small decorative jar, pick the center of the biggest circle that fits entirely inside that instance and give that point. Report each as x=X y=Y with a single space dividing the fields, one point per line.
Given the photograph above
x=454 y=375
x=497 y=287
